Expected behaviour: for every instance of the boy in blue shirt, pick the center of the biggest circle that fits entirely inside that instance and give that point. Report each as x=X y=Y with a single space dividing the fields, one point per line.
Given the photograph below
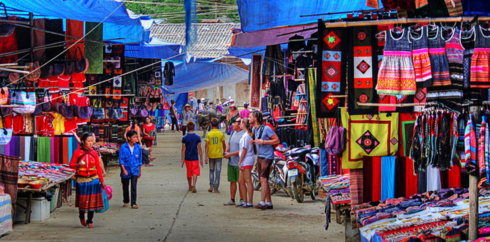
x=130 y=160
x=191 y=148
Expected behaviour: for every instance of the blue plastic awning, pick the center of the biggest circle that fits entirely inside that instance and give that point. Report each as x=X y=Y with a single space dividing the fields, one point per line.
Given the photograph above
x=82 y=10
x=260 y=14
x=119 y=27
x=156 y=49
x=203 y=75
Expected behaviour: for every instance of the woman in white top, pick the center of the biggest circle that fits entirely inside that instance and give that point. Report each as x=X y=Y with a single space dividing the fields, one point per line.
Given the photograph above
x=246 y=164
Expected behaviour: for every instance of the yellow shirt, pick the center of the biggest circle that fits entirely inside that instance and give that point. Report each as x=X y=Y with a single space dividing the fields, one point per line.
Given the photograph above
x=215 y=144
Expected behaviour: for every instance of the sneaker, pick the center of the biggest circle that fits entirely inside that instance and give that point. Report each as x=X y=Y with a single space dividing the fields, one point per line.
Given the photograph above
x=134 y=206
x=269 y=206
x=125 y=205
x=260 y=206
x=241 y=205
x=229 y=203
x=248 y=206
x=150 y=164
x=210 y=189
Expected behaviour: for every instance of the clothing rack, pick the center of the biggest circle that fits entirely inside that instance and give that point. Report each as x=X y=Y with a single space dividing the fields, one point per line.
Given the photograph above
x=301 y=40
x=345 y=24
x=302 y=52
x=289 y=125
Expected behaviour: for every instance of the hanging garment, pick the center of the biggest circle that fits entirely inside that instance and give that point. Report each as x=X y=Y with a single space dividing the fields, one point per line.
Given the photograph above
x=480 y=61
x=39 y=38
x=74 y=28
x=433 y=179
x=169 y=73
x=94 y=50
x=421 y=59
x=396 y=73
x=332 y=74
x=481 y=153
x=44 y=149
x=388 y=177
x=355 y=186
x=468 y=42
x=54 y=25
x=406 y=133
x=386 y=99
x=362 y=81
x=369 y=135
x=438 y=58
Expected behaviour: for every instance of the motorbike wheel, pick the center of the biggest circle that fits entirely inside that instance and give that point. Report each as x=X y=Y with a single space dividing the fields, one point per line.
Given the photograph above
x=312 y=194
x=298 y=189
x=256 y=184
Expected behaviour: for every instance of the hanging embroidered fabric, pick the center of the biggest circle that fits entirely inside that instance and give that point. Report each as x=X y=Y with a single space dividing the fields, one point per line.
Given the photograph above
x=396 y=74
x=480 y=69
x=470 y=142
x=421 y=59
x=468 y=42
x=481 y=153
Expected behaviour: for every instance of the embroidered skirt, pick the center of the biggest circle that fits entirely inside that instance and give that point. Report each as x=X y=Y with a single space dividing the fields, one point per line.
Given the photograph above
x=440 y=67
x=421 y=66
x=480 y=68
x=89 y=195
x=396 y=75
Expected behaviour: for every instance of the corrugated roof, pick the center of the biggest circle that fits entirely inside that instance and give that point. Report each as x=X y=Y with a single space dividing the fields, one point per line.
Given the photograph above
x=213 y=39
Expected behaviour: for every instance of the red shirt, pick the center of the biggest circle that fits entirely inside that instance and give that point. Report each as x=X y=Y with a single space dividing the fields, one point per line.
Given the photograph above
x=92 y=163
x=148 y=128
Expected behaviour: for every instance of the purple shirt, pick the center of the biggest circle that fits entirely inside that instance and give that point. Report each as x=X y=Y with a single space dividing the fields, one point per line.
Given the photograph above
x=244 y=113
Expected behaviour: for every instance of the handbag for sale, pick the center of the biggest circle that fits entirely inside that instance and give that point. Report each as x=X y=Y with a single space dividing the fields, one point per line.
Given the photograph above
x=39 y=108
x=335 y=141
x=47 y=69
x=5 y=134
x=58 y=69
x=98 y=112
x=6 y=29
x=115 y=113
x=143 y=112
x=81 y=66
x=26 y=100
x=34 y=71
x=84 y=112
x=64 y=109
x=69 y=65
x=4 y=95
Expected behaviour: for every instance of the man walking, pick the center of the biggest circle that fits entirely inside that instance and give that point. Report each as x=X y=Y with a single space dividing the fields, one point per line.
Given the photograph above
x=232 y=154
x=264 y=139
x=191 y=148
x=215 y=145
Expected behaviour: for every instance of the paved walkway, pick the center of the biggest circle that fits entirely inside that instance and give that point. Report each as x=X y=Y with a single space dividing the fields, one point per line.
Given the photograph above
x=168 y=213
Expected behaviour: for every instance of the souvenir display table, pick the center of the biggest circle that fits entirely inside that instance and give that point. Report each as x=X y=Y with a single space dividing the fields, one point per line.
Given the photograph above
x=51 y=175
x=109 y=152
x=5 y=214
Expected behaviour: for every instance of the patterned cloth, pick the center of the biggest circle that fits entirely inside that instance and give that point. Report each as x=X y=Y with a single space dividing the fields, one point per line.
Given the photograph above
x=355 y=187
x=480 y=70
x=331 y=75
x=438 y=59
x=470 y=141
x=396 y=74
x=5 y=214
x=481 y=152
x=421 y=59
x=9 y=170
x=363 y=80
x=89 y=195
x=369 y=135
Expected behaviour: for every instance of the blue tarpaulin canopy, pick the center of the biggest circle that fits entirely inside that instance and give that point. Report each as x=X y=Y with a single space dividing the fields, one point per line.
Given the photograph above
x=119 y=26
x=260 y=14
x=156 y=49
x=203 y=75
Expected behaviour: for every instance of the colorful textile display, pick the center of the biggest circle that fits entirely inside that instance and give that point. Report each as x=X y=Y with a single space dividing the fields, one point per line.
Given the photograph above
x=50 y=173
x=9 y=169
x=331 y=77
x=362 y=73
x=5 y=214
x=369 y=135
x=407 y=123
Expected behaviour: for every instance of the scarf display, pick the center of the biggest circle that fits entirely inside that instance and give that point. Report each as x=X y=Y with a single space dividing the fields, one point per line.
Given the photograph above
x=9 y=170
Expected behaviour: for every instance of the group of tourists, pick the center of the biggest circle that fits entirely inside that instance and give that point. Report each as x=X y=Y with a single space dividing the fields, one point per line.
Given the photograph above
x=250 y=136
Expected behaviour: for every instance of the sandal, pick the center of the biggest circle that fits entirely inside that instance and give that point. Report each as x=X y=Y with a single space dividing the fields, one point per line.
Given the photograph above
x=83 y=222
x=90 y=226
x=194 y=190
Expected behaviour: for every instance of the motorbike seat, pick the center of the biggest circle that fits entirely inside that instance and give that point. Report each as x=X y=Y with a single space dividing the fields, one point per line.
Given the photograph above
x=281 y=163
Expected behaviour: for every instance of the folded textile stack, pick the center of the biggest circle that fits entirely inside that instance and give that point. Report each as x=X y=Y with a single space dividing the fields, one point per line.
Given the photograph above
x=49 y=173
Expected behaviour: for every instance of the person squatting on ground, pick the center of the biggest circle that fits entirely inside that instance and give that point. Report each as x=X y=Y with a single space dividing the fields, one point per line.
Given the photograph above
x=89 y=180
x=191 y=148
x=130 y=160
x=246 y=164
x=232 y=153
x=215 y=147
x=264 y=139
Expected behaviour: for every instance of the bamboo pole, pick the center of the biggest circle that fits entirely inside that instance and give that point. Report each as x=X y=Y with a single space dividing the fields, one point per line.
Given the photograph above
x=345 y=24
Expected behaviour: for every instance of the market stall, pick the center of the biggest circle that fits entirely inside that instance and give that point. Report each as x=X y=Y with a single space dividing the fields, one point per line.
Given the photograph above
x=39 y=177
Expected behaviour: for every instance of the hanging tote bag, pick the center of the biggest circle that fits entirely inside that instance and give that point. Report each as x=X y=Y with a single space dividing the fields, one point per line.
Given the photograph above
x=5 y=134
x=6 y=29
x=4 y=95
x=99 y=113
x=81 y=65
x=26 y=100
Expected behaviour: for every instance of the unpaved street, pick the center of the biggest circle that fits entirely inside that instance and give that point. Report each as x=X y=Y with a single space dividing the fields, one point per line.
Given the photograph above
x=167 y=212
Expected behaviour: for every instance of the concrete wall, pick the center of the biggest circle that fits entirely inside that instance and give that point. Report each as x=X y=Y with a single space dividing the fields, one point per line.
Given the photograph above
x=240 y=92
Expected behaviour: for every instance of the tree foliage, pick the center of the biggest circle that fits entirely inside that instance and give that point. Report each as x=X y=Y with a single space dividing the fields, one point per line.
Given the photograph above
x=174 y=10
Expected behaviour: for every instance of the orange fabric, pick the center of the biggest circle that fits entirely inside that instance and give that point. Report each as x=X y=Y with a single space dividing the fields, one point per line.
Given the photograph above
x=74 y=28
x=91 y=166
x=372 y=3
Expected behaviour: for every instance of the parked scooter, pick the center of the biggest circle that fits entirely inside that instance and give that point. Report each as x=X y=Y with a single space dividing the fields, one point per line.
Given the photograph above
x=277 y=180
x=303 y=174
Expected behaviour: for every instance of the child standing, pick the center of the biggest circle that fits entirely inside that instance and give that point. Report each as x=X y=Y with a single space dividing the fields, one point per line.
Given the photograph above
x=191 y=147
x=215 y=145
x=130 y=160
